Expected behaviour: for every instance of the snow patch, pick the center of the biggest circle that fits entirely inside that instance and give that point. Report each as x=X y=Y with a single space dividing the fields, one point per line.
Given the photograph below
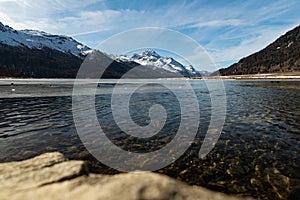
x=289 y=44
x=39 y=39
x=150 y=57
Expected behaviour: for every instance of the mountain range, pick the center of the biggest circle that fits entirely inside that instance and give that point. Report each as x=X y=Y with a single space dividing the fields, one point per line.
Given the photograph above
x=151 y=58
x=283 y=55
x=36 y=54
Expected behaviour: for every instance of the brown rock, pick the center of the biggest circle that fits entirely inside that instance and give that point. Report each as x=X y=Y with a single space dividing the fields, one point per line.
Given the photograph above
x=49 y=176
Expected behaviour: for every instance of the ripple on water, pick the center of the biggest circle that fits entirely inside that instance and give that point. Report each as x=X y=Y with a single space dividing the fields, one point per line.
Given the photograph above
x=257 y=154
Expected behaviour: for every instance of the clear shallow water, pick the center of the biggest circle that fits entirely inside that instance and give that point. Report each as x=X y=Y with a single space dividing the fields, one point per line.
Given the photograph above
x=257 y=153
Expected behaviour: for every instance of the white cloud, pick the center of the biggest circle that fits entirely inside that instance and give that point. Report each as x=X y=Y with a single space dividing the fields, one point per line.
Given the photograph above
x=36 y=14
x=88 y=21
x=246 y=46
x=217 y=23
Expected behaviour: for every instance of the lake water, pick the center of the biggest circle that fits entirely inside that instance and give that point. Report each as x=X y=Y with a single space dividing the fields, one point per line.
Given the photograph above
x=258 y=153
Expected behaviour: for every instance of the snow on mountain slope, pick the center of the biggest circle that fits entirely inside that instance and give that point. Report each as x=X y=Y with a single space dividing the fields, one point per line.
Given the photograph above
x=40 y=39
x=150 y=57
x=34 y=39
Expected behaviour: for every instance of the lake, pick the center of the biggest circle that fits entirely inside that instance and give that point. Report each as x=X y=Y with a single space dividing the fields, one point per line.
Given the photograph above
x=257 y=154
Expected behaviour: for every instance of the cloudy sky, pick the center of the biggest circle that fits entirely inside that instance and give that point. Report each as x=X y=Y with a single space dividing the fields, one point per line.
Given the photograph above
x=227 y=30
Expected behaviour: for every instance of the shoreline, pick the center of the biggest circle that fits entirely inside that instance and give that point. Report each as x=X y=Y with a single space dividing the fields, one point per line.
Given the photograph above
x=233 y=78
x=265 y=76
x=294 y=76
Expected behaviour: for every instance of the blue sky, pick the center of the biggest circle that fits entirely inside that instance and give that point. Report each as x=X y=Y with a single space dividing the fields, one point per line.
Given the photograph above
x=227 y=30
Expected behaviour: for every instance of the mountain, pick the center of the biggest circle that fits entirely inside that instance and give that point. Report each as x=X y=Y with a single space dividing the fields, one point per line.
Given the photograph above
x=204 y=73
x=98 y=61
x=283 y=55
x=33 y=39
x=152 y=58
x=36 y=54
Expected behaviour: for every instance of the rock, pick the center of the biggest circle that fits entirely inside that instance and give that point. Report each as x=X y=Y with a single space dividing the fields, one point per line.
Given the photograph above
x=41 y=170
x=50 y=176
x=280 y=183
x=44 y=160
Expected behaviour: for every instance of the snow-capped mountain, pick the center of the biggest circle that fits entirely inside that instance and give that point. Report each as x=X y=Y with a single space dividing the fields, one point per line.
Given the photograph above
x=36 y=54
x=38 y=39
x=152 y=58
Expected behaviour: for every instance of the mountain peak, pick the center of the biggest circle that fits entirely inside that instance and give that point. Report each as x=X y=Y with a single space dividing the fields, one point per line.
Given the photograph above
x=150 y=53
x=152 y=58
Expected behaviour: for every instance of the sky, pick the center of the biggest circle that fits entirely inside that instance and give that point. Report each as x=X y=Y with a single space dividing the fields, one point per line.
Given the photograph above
x=226 y=30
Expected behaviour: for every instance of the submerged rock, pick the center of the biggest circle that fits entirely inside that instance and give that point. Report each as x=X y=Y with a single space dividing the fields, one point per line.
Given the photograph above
x=51 y=176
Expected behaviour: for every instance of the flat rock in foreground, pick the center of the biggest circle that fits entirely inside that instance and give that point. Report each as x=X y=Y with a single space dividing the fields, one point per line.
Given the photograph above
x=51 y=176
